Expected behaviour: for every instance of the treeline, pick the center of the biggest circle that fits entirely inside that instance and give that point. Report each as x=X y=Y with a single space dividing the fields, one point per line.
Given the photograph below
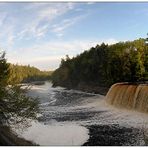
x=26 y=74
x=104 y=65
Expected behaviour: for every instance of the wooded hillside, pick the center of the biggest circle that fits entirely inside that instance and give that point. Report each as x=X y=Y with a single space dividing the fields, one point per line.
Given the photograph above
x=104 y=65
x=25 y=74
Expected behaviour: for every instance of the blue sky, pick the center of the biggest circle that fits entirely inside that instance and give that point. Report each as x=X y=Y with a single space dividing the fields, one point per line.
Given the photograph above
x=40 y=34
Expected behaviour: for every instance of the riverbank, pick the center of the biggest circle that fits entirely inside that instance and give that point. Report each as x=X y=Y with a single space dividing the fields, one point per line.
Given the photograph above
x=93 y=89
x=89 y=88
x=9 y=138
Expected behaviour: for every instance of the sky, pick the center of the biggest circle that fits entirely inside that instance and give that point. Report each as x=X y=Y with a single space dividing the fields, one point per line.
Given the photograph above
x=40 y=34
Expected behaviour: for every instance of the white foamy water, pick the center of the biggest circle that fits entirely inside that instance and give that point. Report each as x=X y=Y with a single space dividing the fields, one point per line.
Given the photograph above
x=56 y=135
x=44 y=92
x=64 y=113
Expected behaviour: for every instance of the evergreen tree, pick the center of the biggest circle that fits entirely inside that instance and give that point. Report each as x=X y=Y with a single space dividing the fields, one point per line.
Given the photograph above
x=15 y=106
x=104 y=65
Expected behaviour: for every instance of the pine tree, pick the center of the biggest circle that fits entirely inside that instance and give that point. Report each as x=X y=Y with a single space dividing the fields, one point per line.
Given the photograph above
x=14 y=104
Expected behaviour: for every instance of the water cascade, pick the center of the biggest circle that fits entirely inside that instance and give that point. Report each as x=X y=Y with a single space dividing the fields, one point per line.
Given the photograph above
x=130 y=96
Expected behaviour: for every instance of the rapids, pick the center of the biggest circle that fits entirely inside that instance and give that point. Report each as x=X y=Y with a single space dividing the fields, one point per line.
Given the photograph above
x=70 y=117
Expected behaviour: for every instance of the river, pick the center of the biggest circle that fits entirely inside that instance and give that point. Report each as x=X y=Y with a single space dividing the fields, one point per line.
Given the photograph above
x=71 y=117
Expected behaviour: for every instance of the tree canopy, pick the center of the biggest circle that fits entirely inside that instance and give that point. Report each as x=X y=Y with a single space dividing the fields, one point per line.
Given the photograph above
x=25 y=74
x=104 y=65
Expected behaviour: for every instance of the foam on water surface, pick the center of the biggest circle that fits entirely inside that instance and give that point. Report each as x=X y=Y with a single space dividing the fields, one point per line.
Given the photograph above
x=56 y=134
x=66 y=114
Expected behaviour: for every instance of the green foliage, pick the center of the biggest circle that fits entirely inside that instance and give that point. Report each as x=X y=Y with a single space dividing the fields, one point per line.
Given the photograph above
x=4 y=70
x=25 y=74
x=15 y=106
x=104 y=65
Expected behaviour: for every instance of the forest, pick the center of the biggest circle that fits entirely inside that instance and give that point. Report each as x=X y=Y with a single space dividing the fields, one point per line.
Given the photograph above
x=26 y=74
x=15 y=106
x=105 y=65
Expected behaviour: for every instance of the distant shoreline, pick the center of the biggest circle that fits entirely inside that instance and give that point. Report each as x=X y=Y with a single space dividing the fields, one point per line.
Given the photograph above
x=88 y=88
x=99 y=89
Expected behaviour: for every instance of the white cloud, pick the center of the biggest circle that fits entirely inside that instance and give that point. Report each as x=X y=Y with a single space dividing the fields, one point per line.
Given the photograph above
x=10 y=40
x=47 y=13
x=3 y=16
x=7 y=36
x=90 y=3
x=58 y=29
x=30 y=21
x=48 y=55
x=66 y=23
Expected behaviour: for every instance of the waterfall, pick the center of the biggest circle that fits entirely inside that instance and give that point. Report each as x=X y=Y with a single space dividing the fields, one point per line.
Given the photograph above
x=130 y=96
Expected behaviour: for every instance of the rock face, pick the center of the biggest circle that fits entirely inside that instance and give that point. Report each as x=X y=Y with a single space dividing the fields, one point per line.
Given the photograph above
x=130 y=96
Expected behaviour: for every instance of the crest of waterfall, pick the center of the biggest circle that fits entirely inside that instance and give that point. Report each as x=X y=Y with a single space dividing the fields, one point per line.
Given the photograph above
x=130 y=96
